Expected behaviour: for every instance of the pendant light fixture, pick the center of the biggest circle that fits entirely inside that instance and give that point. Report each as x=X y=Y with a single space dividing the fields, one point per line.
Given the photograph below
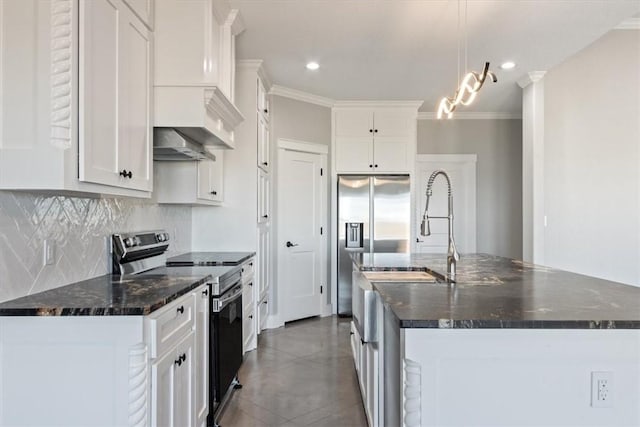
x=471 y=83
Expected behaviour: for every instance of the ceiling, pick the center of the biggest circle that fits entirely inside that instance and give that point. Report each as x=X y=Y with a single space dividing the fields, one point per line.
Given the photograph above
x=407 y=49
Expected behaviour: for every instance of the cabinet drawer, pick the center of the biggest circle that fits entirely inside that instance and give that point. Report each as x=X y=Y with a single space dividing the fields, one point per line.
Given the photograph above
x=248 y=270
x=165 y=327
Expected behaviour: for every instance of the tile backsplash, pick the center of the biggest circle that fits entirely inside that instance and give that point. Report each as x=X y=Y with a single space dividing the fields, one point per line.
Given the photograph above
x=80 y=228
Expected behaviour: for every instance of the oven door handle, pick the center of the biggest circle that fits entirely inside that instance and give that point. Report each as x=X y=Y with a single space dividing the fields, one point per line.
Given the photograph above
x=221 y=303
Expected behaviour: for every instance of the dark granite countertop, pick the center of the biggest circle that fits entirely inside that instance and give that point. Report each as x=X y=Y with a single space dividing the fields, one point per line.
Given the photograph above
x=210 y=258
x=496 y=292
x=108 y=295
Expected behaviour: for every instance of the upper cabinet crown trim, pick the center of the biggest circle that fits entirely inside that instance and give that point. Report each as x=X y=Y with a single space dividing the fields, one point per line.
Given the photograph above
x=255 y=66
x=218 y=104
x=299 y=95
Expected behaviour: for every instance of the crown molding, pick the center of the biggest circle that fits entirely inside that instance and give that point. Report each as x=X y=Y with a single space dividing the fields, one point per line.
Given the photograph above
x=299 y=95
x=629 y=24
x=472 y=115
x=256 y=66
x=530 y=77
x=378 y=104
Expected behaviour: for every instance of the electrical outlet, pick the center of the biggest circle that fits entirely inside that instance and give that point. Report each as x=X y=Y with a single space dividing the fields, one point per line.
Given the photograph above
x=49 y=252
x=602 y=389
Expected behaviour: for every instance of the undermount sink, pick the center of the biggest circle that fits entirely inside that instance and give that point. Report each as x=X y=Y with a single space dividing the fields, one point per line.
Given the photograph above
x=401 y=276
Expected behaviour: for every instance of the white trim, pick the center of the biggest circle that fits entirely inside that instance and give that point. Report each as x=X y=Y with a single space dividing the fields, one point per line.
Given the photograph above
x=273 y=321
x=472 y=115
x=299 y=95
x=378 y=104
x=462 y=158
x=530 y=77
x=303 y=146
x=629 y=24
x=255 y=66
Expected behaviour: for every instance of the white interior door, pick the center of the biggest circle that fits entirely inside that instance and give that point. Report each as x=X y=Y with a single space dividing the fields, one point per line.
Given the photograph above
x=300 y=217
x=461 y=168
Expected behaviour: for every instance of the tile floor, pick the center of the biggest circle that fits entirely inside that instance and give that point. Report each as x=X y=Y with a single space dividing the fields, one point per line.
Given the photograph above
x=300 y=375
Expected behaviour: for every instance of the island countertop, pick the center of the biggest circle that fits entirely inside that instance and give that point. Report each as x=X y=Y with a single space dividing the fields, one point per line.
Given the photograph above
x=108 y=295
x=496 y=292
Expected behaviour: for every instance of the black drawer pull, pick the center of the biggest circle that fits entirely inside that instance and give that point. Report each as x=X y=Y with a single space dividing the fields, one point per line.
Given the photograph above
x=265 y=111
x=251 y=316
x=205 y=292
x=250 y=283
x=126 y=174
x=180 y=309
x=215 y=193
x=370 y=130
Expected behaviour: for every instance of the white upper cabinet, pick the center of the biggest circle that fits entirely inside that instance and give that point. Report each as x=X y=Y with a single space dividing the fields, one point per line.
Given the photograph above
x=115 y=102
x=190 y=182
x=195 y=69
x=76 y=96
x=374 y=138
x=263 y=101
x=264 y=148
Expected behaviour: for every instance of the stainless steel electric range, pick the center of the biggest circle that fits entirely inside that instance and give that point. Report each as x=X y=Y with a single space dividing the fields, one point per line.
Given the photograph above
x=144 y=254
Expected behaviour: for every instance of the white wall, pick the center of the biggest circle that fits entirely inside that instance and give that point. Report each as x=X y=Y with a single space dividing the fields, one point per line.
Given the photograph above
x=498 y=144
x=80 y=228
x=592 y=160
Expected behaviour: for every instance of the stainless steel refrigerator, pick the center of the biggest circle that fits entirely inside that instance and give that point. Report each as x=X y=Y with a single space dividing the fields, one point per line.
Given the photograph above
x=374 y=215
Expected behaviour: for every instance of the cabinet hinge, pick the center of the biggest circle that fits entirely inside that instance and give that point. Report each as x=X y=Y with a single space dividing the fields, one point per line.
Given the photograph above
x=321 y=288
x=320 y=171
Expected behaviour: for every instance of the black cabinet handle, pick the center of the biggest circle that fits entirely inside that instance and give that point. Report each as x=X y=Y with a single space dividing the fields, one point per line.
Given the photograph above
x=265 y=163
x=264 y=302
x=266 y=111
x=215 y=193
x=351 y=333
x=178 y=361
x=375 y=166
x=290 y=245
x=126 y=174
x=370 y=166
x=250 y=283
x=370 y=130
x=376 y=130
x=205 y=292
x=265 y=216
x=183 y=357
x=180 y=309
x=251 y=316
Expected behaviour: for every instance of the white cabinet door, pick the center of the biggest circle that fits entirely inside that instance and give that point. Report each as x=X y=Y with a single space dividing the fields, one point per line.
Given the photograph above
x=264 y=197
x=354 y=154
x=163 y=390
x=263 y=100
x=263 y=143
x=264 y=262
x=356 y=123
x=114 y=96
x=184 y=391
x=143 y=9
x=393 y=130
x=210 y=179
x=134 y=103
x=202 y=356
x=98 y=102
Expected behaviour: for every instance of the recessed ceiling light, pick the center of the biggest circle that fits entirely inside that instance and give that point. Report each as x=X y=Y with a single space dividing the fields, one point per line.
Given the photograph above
x=508 y=65
x=312 y=66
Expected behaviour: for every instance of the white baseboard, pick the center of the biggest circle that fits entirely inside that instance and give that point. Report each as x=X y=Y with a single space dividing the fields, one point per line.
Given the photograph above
x=327 y=310
x=273 y=322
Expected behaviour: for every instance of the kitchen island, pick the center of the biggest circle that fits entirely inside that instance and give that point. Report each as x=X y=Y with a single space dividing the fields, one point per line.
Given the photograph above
x=510 y=343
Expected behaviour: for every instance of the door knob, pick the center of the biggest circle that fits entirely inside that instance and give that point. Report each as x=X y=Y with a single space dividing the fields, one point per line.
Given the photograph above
x=289 y=244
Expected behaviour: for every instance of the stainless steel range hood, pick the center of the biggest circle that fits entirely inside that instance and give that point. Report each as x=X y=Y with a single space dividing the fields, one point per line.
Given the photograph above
x=170 y=144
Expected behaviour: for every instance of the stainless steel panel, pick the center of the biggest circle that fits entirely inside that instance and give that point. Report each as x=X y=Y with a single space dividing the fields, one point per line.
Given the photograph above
x=391 y=213
x=353 y=206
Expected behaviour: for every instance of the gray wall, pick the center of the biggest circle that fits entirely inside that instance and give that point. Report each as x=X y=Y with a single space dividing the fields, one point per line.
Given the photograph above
x=592 y=160
x=301 y=121
x=498 y=145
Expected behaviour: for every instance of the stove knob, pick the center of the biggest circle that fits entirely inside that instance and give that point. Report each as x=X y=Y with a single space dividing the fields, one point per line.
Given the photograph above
x=136 y=241
x=128 y=242
x=166 y=237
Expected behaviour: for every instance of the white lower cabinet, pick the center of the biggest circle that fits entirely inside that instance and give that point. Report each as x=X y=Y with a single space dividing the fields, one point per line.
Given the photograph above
x=108 y=370
x=366 y=358
x=249 y=311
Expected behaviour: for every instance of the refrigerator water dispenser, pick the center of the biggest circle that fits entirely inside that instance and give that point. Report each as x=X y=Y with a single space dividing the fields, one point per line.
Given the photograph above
x=354 y=233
